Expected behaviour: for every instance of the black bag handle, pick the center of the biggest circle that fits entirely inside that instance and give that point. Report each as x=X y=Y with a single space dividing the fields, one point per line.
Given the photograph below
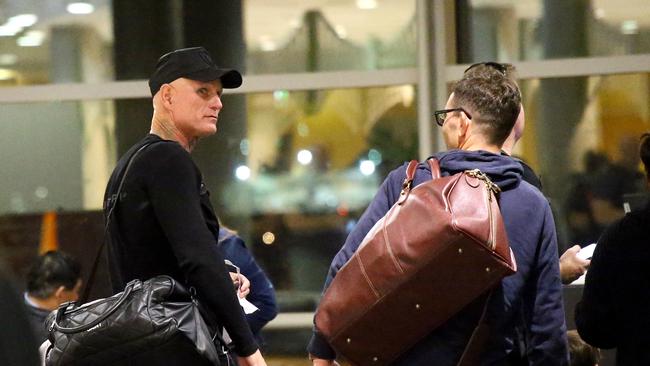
x=133 y=285
x=112 y=199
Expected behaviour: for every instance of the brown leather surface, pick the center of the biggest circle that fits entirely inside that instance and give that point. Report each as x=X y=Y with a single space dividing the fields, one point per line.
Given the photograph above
x=421 y=263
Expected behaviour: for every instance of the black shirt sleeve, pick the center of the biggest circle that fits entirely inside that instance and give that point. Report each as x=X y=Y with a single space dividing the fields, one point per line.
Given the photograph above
x=173 y=188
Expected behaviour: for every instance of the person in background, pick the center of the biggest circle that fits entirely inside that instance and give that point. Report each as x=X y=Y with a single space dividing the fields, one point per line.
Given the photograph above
x=262 y=293
x=614 y=311
x=18 y=343
x=580 y=352
x=53 y=278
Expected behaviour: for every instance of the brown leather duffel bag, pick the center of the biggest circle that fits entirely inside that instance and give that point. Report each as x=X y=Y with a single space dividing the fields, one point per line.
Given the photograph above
x=441 y=245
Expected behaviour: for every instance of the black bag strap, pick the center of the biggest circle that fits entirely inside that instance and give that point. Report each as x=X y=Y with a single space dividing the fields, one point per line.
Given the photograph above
x=111 y=200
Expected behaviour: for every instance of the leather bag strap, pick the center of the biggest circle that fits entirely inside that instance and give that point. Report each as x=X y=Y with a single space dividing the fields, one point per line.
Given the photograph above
x=408 y=181
x=435 y=167
x=113 y=199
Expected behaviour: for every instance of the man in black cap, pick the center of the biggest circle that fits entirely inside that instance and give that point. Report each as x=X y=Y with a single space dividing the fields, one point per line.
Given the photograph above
x=164 y=218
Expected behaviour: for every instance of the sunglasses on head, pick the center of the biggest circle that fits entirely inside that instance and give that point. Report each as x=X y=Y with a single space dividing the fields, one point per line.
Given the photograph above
x=502 y=68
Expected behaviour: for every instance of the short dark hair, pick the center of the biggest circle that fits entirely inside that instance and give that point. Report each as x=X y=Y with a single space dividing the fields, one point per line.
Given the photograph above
x=644 y=152
x=581 y=353
x=493 y=99
x=50 y=271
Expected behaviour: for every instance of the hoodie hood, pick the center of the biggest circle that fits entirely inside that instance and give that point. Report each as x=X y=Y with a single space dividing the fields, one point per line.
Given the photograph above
x=503 y=170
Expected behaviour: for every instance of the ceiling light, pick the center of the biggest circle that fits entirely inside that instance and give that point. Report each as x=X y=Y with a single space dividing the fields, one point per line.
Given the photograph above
x=31 y=39
x=80 y=8
x=9 y=30
x=7 y=59
x=599 y=13
x=366 y=4
x=304 y=157
x=629 y=27
x=367 y=167
x=340 y=31
x=7 y=74
x=23 y=20
x=267 y=44
x=243 y=172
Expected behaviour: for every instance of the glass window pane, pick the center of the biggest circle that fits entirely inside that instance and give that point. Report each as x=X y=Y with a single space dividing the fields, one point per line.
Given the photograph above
x=311 y=163
x=582 y=137
x=42 y=42
x=532 y=30
x=291 y=171
x=55 y=156
x=289 y=36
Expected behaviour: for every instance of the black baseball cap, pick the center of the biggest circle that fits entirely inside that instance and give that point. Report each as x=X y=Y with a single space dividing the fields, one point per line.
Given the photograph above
x=192 y=63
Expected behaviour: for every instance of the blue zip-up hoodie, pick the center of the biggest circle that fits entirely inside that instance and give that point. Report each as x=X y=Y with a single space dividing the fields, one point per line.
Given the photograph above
x=525 y=314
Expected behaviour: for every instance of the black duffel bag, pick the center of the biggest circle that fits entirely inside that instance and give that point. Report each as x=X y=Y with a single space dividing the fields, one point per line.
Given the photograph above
x=142 y=323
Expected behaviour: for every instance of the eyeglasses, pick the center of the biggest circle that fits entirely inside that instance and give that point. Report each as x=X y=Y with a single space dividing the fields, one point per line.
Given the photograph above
x=441 y=115
x=502 y=68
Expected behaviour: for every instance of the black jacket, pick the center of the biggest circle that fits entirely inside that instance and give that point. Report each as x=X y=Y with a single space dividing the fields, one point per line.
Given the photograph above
x=615 y=308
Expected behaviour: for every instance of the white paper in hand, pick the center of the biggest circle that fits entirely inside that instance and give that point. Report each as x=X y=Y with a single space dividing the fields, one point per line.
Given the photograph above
x=586 y=252
x=248 y=307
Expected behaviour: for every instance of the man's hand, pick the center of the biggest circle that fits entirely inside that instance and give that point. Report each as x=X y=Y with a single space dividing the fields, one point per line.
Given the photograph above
x=572 y=267
x=255 y=359
x=241 y=283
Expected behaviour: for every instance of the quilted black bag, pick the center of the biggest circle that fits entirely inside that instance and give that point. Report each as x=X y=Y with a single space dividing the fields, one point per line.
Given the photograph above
x=146 y=316
x=156 y=321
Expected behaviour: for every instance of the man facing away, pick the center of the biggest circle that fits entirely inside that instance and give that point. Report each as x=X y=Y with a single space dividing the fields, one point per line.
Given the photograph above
x=53 y=278
x=164 y=216
x=525 y=314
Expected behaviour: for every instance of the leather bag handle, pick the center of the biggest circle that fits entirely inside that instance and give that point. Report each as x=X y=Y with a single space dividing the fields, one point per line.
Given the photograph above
x=408 y=181
x=435 y=167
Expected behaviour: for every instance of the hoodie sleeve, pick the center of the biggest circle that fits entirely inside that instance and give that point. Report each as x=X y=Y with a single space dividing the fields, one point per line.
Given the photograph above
x=381 y=203
x=546 y=335
x=262 y=293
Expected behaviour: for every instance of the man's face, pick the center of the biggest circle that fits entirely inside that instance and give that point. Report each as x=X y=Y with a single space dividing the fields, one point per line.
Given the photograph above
x=195 y=107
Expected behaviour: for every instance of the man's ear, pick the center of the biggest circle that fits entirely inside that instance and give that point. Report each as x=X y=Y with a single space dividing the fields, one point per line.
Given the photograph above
x=59 y=292
x=464 y=125
x=166 y=94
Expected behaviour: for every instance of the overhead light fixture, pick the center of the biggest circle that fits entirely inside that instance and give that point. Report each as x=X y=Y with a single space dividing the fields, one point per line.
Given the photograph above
x=80 y=8
x=341 y=31
x=7 y=59
x=9 y=30
x=7 y=74
x=31 y=39
x=243 y=172
x=599 y=13
x=629 y=27
x=304 y=157
x=267 y=44
x=366 y=4
x=23 y=20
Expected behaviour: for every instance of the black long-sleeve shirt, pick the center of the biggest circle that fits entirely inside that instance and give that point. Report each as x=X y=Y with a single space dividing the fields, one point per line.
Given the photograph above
x=615 y=306
x=167 y=226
